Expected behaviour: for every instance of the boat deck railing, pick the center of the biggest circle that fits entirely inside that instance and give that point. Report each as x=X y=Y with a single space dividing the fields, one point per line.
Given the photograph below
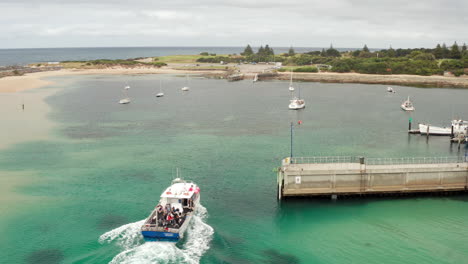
x=378 y=161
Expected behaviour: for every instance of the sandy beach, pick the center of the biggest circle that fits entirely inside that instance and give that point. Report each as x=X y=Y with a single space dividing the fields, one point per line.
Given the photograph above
x=12 y=84
x=28 y=81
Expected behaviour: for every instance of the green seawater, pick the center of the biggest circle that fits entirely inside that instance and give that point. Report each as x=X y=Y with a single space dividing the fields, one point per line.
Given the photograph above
x=86 y=186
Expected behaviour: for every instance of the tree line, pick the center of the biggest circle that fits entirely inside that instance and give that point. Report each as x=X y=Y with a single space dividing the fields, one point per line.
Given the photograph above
x=420 y=61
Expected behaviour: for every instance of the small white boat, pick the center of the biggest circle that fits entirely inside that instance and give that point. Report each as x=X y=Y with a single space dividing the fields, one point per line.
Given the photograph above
x=124 y=101
x=390 y=90
x=291 y=88
x=407 y=105
x=255 y=77
x=296 y=103
x=160 y=94
x=185 y=88
x=127 y=87
x=171 y=217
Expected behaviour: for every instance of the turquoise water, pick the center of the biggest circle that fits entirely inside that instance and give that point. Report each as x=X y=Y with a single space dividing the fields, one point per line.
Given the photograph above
x=88 y=185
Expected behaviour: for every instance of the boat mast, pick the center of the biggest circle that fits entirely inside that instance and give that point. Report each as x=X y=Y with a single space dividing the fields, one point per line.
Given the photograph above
x=291 y=147
x=299 y=92
x=290 y=81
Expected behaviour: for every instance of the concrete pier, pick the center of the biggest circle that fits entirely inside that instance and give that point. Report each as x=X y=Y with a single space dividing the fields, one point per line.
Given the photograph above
x=328 y=176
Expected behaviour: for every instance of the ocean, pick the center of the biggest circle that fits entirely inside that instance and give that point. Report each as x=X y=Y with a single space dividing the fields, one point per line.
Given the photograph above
x=26 y=56
x=79 y=178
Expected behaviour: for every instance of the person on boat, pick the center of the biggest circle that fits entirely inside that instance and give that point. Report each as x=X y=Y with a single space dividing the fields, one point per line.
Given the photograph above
x=176 y=220
x=191 y=188
x=169 y=219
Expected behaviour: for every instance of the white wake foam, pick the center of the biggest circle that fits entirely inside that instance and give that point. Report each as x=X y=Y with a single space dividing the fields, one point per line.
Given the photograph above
x=199 y=235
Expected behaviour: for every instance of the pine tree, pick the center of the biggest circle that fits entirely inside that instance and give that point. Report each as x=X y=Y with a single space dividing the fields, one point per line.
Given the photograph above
x=445 y=51
x=366 y=49
x=268 y=50
x=247 y=51
x=464 y=52
x=323 y=53
x=455 y=51
x=261 y=51
x=291 y=51
x=438 y=52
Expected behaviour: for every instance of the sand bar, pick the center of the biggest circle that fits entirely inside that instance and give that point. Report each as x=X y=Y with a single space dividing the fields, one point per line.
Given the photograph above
x=28 y=81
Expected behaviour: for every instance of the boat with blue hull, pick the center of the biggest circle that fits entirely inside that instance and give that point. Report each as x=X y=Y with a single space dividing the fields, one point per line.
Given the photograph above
x=171 y=217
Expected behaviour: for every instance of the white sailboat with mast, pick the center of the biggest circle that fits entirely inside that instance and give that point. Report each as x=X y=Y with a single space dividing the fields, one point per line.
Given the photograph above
x=407 y=105
x=160 y=94
x=186 y=87
x=296 y=102
x=291 y=88
x=126 y=99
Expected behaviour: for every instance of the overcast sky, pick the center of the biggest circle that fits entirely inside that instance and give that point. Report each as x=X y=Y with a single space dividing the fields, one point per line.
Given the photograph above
x=300 y=23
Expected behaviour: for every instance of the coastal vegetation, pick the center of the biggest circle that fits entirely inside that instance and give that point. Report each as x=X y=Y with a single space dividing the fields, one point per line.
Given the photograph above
x=419 y=61
x=441 y=60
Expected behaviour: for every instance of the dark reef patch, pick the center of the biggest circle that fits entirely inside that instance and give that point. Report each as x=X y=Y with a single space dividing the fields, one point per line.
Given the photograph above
x=45 y=256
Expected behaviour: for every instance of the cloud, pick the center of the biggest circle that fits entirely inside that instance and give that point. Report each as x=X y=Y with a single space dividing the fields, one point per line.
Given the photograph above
x=345 y=23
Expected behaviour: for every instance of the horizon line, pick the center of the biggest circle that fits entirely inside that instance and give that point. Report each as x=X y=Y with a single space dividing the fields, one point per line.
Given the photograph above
x=273 y=47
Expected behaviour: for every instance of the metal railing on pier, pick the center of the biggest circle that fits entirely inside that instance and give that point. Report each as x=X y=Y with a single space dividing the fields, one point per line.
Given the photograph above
x=378 y=161
x=324 y=159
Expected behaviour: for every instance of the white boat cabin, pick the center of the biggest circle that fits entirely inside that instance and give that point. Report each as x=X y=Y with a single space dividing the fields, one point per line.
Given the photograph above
x=180 y=195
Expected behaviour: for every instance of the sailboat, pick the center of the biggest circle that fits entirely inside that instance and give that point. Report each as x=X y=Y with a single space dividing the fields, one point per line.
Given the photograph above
x=255 y=77
x=186 y=87
x=296 y=102
x=407 y=105
x=291 y=88
x=160 y=94
x=125 y=100
x=127 y=87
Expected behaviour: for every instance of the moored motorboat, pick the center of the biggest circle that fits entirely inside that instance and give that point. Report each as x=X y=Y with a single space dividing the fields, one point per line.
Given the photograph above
x=170 y=218
x=390 y=90
x=458 y=126
x=434 y=130
x=407 y=105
